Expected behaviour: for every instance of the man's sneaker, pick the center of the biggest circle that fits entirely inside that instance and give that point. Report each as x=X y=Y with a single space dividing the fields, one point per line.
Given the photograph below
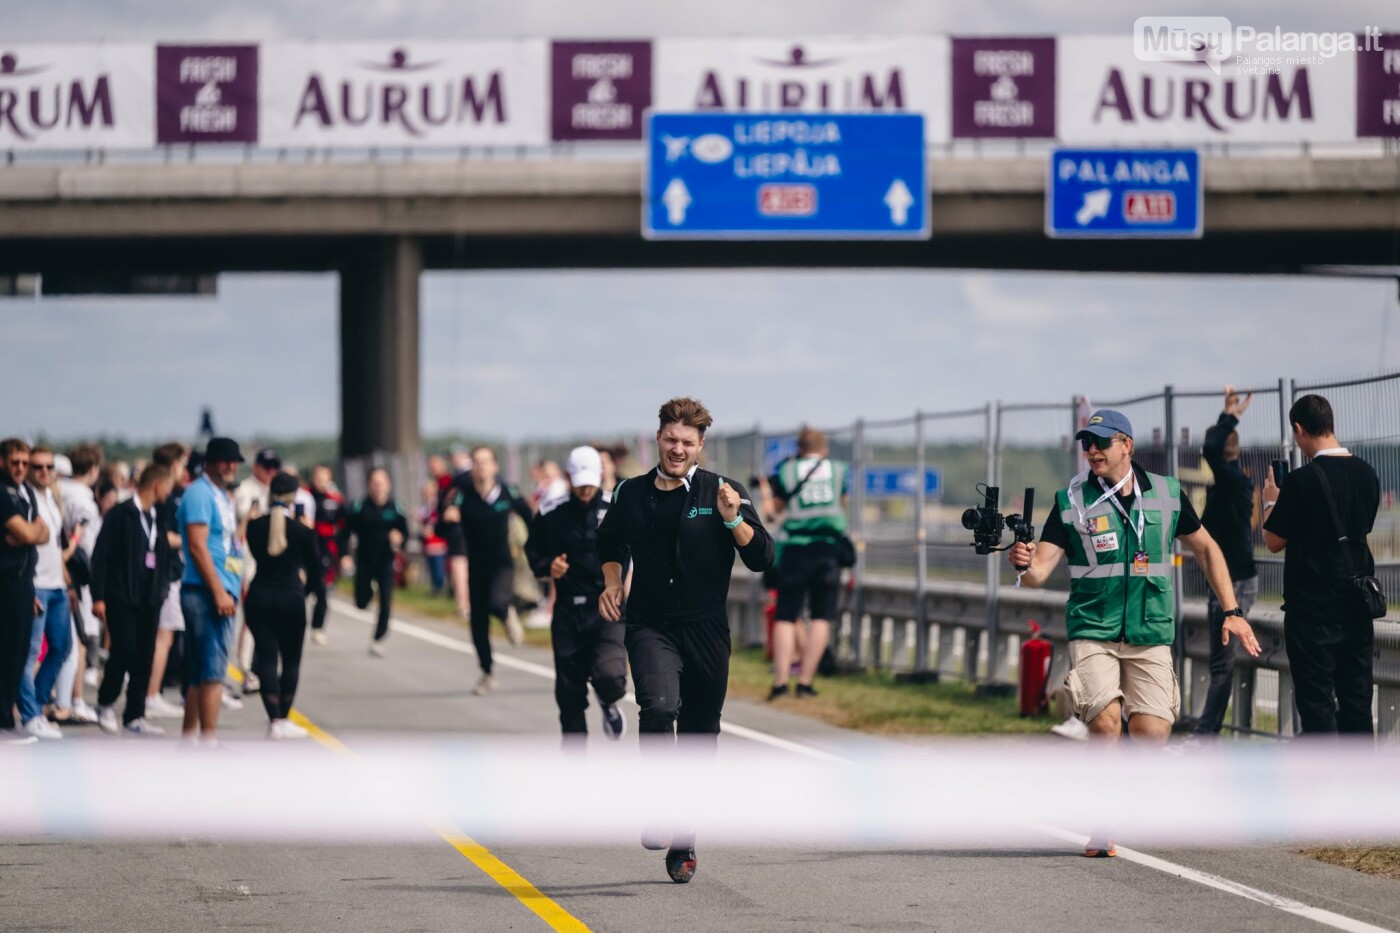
x=777 y=692
x=805 y=690
x=107 y=720
x=485 y=685
x=1072 y=728
x=251 y=684
x=229 y=700
x=91 y=677
x=655 y=838
x=515 y=632
x=680 y=864
x=81 y=712
x=41 y=728
x=318 y=637
x=158 y=707
x=1100 y=850
x=376 y=649
x=142 y=727
x=614 y=725
x=16 y=737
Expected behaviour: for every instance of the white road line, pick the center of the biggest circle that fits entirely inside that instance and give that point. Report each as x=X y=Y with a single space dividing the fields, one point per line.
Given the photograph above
x=1297 y=908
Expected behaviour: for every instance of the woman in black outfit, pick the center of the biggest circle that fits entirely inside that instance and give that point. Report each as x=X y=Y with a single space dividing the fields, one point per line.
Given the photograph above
x=289 y=561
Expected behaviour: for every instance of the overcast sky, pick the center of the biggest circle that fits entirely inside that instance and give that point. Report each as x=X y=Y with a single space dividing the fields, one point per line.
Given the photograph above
x=563 y=353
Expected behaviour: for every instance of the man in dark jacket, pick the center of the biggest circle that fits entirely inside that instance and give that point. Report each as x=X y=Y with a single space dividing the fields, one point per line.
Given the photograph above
x=681 y=526
x=380 y=529
x=23 y=531
x=130 y=580
x=1229 y=517
x=564 y=547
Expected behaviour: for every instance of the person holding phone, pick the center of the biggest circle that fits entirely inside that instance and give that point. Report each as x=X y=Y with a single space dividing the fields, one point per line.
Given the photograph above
x=1229 y=517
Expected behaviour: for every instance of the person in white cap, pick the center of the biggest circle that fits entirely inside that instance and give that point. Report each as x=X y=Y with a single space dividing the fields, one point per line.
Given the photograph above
x=563 y=546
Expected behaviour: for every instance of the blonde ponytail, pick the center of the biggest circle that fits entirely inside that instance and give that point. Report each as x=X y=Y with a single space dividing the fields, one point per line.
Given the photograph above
x=277 y=526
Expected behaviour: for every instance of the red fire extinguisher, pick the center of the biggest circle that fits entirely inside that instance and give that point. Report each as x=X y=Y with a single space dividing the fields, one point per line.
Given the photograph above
x=1035 y=673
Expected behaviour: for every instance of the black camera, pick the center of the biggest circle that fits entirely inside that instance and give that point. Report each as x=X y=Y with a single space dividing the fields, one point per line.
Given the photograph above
x=987 y=523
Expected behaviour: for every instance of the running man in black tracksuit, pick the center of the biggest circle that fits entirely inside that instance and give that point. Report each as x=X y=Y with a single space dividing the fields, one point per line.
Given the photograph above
x=681 y=526
x=380 y=529
x=564 y=547
x=483 y=506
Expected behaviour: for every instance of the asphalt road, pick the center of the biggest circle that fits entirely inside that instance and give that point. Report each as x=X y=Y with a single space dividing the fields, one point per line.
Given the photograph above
x=423 y=687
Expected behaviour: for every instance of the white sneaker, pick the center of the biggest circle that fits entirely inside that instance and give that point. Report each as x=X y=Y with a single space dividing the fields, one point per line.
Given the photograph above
x=91 y=677
x=515 y=632
x=251 y=684
x=80 y=711
x=1072 y=728
x=41 y=728
x=376 y=649
x=485 y=685
x=142 y=727
x=229 y=700
x=274 y=730
x=318 y=637
x=17 y=737
x=291 y=730
x=107 y=720
x=539 y=619
x=158 y=707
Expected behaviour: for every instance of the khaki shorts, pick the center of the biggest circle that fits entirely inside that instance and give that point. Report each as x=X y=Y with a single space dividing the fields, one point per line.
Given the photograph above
x=1142 y=676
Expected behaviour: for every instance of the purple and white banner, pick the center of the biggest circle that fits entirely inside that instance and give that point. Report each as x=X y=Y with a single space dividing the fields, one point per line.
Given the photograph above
x=807 y=75
x=1106 y=95
x=1378 y=88
x=206 y=94
x=599 y=90
x=1003 y=88
x=403 y=94
x=77 y=96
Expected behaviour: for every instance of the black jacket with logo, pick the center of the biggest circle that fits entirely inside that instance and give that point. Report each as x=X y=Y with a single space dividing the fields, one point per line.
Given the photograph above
x=370 y=525
x=486 y=521
x=704 y=557
x=572 y=530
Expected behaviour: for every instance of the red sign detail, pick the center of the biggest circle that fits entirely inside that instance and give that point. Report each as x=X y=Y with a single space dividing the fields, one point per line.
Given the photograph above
x=1149 y=207
x=787 y=200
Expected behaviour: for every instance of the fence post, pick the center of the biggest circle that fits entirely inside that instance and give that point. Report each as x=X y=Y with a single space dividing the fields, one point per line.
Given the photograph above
x=1174 y=469
x=858 y=532
x=1285 y=402
x=996 y=660
x=755 y=632
x=921 y=546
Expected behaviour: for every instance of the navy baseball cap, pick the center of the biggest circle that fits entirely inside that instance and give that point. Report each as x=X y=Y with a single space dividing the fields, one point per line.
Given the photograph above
x=1105 y=423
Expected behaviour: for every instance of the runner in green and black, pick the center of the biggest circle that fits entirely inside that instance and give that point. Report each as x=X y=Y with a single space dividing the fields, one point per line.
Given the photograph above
x=811 y=491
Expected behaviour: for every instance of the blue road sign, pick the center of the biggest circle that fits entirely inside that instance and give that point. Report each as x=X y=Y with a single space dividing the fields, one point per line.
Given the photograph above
x=799 y=176
x=776 y=449
x=1117 y=193
x=882 y=481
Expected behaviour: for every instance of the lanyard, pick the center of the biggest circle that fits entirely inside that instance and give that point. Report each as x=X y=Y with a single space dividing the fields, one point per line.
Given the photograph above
x=148 y=527
x=1112 y=496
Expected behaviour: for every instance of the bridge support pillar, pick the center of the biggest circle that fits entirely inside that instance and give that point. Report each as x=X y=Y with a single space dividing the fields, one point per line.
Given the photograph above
x=379 y=349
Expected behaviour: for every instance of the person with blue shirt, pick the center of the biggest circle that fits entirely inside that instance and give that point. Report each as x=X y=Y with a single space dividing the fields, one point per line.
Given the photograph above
x=210 y=587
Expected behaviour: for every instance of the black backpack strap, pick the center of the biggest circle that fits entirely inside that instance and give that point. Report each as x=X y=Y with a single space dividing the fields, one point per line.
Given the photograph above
x=1336 y=519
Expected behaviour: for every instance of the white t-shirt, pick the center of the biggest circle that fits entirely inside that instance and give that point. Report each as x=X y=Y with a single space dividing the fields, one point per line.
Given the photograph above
x=80 y=513
x=249 y=491
x=553 y=495
x=48 y=573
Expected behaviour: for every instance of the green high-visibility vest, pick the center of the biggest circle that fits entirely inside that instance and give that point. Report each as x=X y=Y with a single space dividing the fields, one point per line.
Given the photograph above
x=815 y=513
x=1110 y=596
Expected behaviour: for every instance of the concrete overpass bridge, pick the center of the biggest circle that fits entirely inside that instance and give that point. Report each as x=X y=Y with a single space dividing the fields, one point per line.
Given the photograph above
x=379 y=224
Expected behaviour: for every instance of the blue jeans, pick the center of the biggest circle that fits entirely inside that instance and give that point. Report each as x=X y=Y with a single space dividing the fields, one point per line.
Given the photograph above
x=437 y=571
x=207 y=636
x=55 y=623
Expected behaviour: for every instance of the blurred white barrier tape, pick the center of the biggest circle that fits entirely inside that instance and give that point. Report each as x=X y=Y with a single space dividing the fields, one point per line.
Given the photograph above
x=528 y=791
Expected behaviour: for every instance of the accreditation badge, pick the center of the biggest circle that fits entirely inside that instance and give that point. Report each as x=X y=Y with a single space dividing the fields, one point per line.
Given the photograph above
x=1140 y=563
x=1105 y=542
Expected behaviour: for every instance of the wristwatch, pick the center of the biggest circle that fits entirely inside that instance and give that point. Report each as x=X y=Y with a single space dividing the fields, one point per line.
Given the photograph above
x=1237 y=611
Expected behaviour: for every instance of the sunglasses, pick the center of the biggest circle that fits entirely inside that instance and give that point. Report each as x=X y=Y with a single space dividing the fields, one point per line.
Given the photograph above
x=41 y=466
x=1087 y=444
x=20 y=463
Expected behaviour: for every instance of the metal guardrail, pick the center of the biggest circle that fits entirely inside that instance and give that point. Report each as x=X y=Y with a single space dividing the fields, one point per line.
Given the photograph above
x=956 y=642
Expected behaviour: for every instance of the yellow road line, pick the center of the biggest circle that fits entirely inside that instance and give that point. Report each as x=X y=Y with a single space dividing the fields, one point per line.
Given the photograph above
x=498 y=871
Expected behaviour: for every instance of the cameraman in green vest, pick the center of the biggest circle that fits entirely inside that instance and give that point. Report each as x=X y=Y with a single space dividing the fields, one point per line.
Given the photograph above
x=1116 y=522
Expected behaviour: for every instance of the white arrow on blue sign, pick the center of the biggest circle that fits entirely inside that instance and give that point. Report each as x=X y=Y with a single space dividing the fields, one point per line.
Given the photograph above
x=785 y=176
x=1124 y=193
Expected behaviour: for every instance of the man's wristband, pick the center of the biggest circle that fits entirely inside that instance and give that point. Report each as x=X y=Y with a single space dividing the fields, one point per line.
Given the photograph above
x=738 y=520
x=1237 y=611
